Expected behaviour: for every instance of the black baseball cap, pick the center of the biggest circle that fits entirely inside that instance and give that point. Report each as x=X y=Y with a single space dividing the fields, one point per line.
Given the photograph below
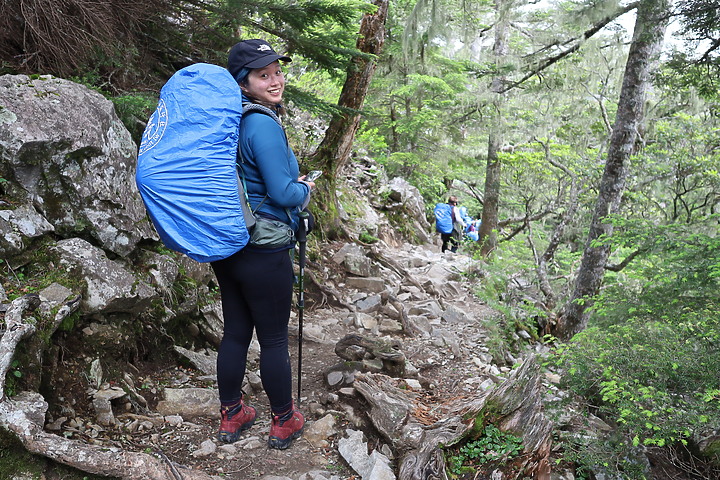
x=253 y=53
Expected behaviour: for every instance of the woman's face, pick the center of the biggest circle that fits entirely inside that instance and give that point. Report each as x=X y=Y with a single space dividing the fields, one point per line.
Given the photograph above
x=266 y=85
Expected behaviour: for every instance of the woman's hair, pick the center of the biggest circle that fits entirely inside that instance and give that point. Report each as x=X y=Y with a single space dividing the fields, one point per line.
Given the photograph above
x=242 y=79
x=242 y=76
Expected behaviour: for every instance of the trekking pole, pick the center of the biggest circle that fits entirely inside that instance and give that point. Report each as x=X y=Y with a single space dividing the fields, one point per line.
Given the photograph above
x=302 y=240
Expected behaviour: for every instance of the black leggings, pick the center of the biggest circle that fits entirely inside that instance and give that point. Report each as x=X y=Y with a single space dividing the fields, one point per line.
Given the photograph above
x=448 y=242
x=256 y=289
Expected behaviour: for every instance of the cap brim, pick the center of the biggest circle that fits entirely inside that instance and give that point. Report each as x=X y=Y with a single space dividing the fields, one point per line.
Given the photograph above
x=267 y=60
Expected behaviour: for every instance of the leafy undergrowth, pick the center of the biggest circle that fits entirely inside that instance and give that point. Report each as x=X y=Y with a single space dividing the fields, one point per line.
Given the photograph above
x=479 y=458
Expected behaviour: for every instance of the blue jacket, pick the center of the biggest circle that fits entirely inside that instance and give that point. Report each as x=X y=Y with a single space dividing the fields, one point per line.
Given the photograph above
x=270 y=168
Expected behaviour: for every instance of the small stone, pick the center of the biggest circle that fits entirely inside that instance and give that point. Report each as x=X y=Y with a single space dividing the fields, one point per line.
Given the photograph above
x=228 y=449
x=174 y=420
x=57 y=424
x=207 y=448
x=334 y=378
x=413 y=384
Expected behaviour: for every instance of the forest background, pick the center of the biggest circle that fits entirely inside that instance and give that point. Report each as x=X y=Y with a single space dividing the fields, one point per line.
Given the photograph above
x=589 y=147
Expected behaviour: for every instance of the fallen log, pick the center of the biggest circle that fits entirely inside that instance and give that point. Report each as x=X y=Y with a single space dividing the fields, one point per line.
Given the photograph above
x=515 y=406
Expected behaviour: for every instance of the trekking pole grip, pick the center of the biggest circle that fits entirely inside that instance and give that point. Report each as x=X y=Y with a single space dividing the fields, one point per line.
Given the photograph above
x=302 y=226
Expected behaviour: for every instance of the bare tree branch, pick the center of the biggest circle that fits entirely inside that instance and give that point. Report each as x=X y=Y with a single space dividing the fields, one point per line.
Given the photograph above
x=542 y=65
x=619 y=266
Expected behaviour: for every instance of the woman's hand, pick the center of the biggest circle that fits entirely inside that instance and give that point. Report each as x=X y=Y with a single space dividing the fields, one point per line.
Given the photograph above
x=310 y=184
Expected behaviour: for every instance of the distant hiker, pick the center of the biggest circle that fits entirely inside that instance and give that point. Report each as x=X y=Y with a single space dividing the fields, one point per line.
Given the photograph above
x=449 y=224
x=256 y=283
x=458 y=223
x=466 y=218
x=472 y=230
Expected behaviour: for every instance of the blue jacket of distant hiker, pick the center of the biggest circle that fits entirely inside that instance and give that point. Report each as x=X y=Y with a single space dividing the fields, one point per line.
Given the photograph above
x=270 y=168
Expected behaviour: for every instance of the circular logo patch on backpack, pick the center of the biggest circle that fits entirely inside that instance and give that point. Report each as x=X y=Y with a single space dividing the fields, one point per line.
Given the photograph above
x=155 y=128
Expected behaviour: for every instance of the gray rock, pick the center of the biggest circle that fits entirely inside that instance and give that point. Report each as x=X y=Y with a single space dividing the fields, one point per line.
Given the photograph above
x=318 y=432
x=358 y=264
x=110 y=287
x=407 y=198
x=427 y=309
x=390 y=326
x=367 y=284
x=375 y=466
x=174 y=420
x=103 y=408
x=205 y=361
x=55 y=294
x=369 y=304
x=334 y=378
x=65 y=151
x=20 y=225
x=250 y=443
x=206 y=449
x=453 y=314
x=212 y=323
x=190 y=402
x=340 y=255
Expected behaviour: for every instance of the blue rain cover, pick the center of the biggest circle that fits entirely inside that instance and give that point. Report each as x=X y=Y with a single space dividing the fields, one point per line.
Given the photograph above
x=186 y=170
x=464 y=215
x=443 y=218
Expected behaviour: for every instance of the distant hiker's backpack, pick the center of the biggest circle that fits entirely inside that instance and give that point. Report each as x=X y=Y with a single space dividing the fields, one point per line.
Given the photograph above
x=186 y=171
x=464 y=215
x=443 y=218
x=472 y=232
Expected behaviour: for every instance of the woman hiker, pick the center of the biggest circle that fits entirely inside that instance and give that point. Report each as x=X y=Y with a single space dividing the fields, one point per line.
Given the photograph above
x=256 y=283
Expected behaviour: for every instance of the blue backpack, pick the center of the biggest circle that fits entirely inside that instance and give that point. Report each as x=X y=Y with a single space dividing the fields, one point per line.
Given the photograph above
x=443 y=218
x=464 y=215
x=186 y=171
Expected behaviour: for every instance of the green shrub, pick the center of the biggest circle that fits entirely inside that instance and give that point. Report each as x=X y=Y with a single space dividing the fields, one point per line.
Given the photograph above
x=367 y=238
x=494 y=447
x=650 y=358
x=134 y=110
x=656 y=381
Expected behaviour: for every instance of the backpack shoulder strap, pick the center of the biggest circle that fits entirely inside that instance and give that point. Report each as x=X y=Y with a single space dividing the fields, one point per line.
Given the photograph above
x=254 y=107
x=249 y=108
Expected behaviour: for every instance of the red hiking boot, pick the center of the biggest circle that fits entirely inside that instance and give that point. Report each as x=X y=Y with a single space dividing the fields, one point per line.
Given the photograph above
x=282 y=433
x=235 y=420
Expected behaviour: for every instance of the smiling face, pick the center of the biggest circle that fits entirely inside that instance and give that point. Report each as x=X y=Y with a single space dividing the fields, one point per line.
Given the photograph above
x=265 y=85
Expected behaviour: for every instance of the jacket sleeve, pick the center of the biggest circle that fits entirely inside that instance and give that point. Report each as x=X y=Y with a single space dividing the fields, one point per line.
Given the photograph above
x=276 y=162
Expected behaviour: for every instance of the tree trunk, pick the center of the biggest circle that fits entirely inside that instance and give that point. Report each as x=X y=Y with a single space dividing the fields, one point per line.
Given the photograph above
x=650 y=26
x=489 y=225
x=334 y=151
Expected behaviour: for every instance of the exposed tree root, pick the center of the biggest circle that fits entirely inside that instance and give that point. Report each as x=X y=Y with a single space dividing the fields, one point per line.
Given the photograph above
x=24 y=416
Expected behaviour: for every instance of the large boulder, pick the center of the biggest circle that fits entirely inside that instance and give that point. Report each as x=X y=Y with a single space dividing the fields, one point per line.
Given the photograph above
x=65 y=155
x=109 y=286
x=405 y=198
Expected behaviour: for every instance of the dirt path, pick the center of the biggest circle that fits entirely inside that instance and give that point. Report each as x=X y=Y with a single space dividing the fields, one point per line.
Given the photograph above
x=450 y=359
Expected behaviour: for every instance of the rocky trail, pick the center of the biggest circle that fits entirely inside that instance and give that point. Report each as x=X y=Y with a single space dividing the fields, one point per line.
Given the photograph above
x=406 y=316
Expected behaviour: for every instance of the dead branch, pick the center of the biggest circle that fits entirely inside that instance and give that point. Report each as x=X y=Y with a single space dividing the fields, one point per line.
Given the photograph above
x=526 y=218
x=408 y=325
x=517 y=408
x=15 y=331
x=558 y=231
x=472 y=190
x=579 y=41
x=330 y=292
